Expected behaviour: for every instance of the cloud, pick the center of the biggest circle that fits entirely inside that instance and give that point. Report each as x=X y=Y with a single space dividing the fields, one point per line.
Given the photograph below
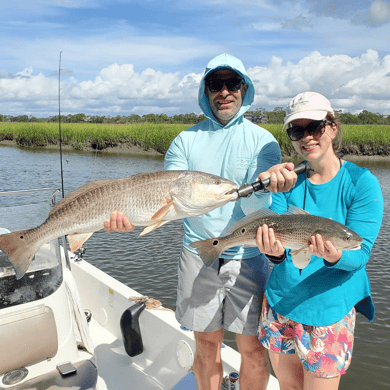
x=380 y=12
x=265 y=26
x=358 y=82
x=352 y=84
x=298 y=23
x=345 y=9
x=91 y=53
x=72 y=3
x=25 y=89
x=370 y=14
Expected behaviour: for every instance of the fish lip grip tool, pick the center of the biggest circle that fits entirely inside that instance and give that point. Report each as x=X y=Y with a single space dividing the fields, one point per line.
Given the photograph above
x=246 y=190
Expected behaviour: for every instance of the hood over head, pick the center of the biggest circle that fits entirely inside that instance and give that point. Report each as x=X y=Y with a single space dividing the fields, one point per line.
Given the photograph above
x=226 y=61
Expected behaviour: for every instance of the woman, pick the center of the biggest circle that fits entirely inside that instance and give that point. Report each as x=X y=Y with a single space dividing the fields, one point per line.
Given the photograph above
x=308 y=315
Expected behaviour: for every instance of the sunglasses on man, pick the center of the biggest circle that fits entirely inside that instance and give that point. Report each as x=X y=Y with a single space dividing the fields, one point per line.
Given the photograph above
x=233 y=84
x=314 y=128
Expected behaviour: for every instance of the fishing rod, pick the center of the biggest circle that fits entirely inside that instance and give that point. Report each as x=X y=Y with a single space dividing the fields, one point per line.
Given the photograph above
x=59 y=124
x=246 y=190
x=67 y=260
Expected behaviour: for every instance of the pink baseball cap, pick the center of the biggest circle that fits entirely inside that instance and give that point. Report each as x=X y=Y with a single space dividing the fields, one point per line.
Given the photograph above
x=307 y=105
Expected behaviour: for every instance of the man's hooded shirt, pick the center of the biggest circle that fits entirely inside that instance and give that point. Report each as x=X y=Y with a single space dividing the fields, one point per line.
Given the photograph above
x=238 y=151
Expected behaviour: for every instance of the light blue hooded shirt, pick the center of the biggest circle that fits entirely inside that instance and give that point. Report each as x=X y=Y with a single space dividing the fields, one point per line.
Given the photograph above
x=238 y=151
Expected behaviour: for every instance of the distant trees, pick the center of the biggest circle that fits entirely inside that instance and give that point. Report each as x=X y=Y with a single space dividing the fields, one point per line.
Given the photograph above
x=274 y=116
x=364 y=118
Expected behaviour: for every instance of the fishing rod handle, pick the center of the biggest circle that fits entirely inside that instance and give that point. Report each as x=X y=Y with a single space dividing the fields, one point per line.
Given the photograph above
x=262 y=184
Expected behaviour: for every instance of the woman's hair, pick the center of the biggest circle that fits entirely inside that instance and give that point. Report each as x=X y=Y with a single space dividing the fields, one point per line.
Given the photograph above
x=337 y=141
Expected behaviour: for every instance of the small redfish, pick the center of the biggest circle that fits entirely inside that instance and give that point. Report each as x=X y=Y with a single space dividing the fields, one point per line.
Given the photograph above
x=293 y=229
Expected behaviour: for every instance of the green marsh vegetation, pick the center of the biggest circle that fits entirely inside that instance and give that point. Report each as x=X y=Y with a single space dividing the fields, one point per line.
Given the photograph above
x=357 y=139
x=360 y=140
x=79 y=136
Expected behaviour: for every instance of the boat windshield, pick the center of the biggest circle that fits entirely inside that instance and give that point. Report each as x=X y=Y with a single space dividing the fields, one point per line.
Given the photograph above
x=24 y=210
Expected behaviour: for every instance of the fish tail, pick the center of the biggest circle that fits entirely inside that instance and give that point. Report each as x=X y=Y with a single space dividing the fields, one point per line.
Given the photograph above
x=20 y=250
x=209 y=250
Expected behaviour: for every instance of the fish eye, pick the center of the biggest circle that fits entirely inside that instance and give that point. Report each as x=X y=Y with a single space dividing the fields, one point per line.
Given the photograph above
x=218 y=182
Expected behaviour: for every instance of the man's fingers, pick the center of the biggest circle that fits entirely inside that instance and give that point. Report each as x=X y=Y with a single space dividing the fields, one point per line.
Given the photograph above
x=118 y=222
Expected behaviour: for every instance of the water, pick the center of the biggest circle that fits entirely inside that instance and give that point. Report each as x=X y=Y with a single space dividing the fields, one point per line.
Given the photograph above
x=149 y=264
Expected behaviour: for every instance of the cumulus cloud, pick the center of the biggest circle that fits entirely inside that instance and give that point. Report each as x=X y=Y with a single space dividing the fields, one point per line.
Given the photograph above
x=351 y=83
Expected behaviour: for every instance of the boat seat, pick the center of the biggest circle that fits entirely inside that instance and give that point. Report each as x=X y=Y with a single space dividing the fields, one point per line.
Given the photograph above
x=27 y=337
x=84 y=379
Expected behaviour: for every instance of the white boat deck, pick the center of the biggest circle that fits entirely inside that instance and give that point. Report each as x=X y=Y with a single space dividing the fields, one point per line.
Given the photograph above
x=116 y=369
x=166 y=361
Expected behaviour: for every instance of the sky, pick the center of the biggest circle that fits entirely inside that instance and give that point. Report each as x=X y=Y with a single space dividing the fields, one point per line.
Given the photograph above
x=124 y=57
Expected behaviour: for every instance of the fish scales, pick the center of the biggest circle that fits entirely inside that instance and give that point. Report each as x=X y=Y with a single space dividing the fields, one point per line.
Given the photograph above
x=148 y=199
x=293 y=230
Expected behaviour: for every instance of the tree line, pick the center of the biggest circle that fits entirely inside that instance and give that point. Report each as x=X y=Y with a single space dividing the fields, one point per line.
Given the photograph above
x=262 y=116
x=363 y=118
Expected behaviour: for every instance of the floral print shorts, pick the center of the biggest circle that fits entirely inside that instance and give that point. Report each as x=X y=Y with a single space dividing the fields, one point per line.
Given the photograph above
x=326 y=351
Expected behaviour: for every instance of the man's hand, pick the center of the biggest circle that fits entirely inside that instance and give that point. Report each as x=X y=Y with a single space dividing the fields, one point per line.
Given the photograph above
x=283 y=178
x=118 y=222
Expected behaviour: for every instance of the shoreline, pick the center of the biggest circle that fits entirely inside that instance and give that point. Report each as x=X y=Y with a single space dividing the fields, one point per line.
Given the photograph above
x=134 y=150
x=122 y=149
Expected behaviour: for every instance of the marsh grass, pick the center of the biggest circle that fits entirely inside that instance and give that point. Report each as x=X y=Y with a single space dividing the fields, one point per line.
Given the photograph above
x=357 y=139
x=78 y=135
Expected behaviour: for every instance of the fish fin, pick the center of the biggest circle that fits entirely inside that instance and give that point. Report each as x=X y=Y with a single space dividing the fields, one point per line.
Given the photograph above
x=293 y=210
x=80 y=191
x=262 y=213
x=163 y=211
x=149 y=228
x=249 y=245
x=209 y=250
x=20 y=250
x=77 y=240
x=301 y=257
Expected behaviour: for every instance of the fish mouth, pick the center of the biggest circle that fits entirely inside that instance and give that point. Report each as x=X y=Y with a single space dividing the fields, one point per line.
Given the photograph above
x=233 y=192
x=355 y=248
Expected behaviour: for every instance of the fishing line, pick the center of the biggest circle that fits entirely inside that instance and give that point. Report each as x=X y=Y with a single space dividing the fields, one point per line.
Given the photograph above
x=340 y=155
x=304 y=195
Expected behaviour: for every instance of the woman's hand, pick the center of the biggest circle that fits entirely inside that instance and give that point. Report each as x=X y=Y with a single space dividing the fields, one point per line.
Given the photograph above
x=283 y=178
x=267 y=242
x=324 y=249
x=118 y=222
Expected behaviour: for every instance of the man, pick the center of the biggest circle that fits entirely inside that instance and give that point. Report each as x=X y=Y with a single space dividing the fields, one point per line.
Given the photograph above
x=228 y=294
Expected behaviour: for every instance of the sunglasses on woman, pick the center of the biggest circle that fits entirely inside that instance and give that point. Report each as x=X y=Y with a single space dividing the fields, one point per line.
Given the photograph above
x=314 y=128
x=233 y=84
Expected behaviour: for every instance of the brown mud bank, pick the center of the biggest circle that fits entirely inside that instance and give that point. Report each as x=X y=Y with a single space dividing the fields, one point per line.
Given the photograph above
x=122 y=149
x=351 y=153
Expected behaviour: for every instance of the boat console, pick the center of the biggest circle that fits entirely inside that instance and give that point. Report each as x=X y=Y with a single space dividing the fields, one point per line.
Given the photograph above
x=39 y=335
